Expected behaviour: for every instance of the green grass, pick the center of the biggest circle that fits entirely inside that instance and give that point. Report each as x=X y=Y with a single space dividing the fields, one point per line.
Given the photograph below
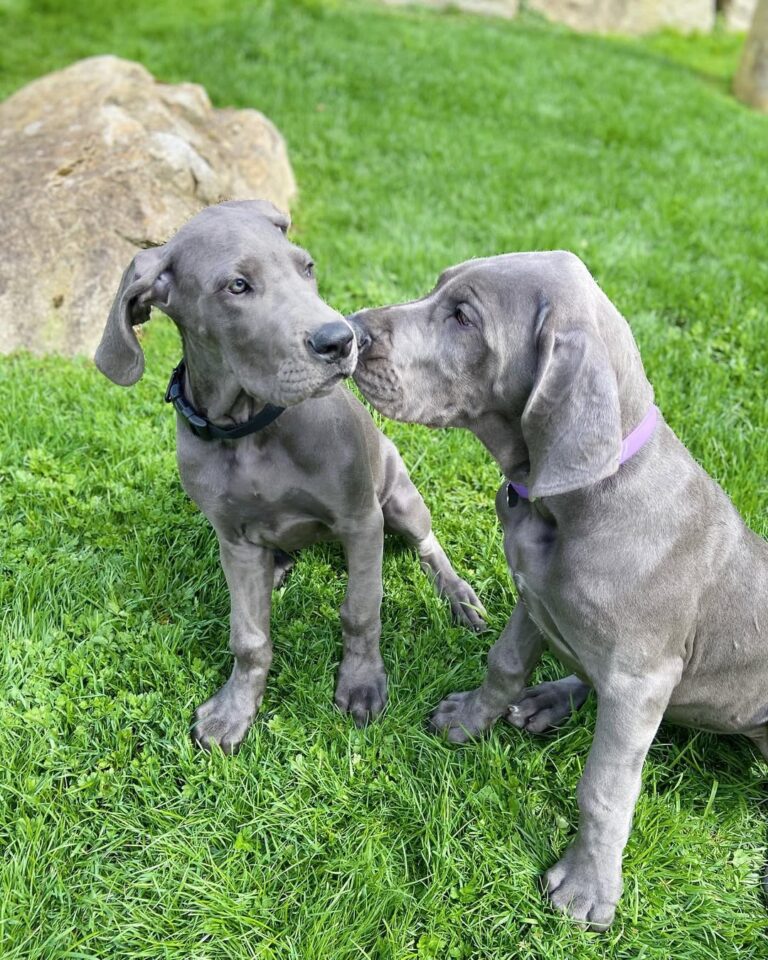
x=418 y=139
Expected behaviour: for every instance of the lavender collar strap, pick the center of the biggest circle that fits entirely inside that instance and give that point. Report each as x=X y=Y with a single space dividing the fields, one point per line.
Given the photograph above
x=629 y=447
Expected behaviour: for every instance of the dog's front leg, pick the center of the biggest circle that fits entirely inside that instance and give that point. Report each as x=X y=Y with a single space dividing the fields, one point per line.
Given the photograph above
x=586 y=883
x=225 y=718
x=361 y=685
x=511 y=660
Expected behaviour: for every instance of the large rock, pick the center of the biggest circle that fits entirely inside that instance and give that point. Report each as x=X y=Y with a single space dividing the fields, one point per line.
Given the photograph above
x=100 y=160
x=628 y=16
x=497 y=8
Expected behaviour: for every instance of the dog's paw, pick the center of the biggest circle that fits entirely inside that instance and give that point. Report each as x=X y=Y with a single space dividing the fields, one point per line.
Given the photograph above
x=466 y=608
x=361 y=689
x=223 y=721
x=584 y=887
x=461 y=717
x=544 y=707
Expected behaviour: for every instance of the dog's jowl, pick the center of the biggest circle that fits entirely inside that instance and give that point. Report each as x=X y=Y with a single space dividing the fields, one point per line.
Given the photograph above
x=631 y=564
x=275 y=452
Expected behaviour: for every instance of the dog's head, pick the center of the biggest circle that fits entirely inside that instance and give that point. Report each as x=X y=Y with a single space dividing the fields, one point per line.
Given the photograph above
x=240 y=292
x=526 y=344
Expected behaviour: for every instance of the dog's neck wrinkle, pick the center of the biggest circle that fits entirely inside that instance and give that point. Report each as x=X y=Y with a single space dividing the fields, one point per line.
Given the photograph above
x=503 y=438
x=635 y=391
x=212 y=390
x=635 y=397
x=617 y=494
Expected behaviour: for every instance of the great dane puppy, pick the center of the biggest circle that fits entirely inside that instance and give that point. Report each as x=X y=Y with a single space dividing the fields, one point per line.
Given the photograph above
x=631 y=564
x=257 y=338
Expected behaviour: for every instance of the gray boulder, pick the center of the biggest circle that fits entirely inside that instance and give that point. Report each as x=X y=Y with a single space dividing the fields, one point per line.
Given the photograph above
x=99 y=160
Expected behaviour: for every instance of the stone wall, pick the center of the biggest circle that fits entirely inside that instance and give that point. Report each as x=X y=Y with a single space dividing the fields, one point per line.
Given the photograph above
x=497 y=8
x=612 y=16
x=738 y=13
x=628 y=16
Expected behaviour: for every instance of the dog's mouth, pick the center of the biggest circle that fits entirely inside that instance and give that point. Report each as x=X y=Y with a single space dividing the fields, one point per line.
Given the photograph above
x=343 y=368
x=380 y=385
x=295 y=382
x=326 y=387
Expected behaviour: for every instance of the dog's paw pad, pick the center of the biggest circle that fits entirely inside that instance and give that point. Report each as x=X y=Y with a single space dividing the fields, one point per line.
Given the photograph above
x=546 y=706
x=466 y=608
x=363 y=697
x=586 y=893
x=460 y=717
x=221 y=722
x=363 y=703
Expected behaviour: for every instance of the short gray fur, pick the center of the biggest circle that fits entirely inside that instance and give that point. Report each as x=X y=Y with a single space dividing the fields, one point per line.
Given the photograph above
x=321 y=471
x=643 y=580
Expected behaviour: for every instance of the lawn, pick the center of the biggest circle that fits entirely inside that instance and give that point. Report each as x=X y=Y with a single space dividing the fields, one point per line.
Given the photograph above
x=419 y=139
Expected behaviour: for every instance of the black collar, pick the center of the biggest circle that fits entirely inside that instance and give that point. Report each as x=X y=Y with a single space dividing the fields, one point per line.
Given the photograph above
x=201 y=426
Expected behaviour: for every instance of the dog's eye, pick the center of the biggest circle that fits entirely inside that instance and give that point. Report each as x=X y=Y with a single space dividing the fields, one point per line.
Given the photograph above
x=462 y=319
x=238 y=285
x=309 y=270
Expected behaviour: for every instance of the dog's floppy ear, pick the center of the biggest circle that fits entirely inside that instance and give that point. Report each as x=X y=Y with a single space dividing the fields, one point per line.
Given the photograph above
x=263 y=208
x=145 y=283
x=280 y=219
x=572 y=420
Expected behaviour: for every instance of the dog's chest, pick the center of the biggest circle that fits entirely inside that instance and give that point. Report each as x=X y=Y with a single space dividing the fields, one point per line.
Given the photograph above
x=285 y=522
x=266 y=500
x=530 y=544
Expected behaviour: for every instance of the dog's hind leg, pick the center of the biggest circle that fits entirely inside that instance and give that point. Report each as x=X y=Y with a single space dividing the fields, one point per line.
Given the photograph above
x=406 y=514
x=760 y=739
x=543 y=707
x=462 y=716
x=283 y=565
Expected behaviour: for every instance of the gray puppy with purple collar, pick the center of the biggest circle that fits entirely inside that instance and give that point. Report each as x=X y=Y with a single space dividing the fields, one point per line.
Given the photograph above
x=632 y=566
x=275 y=452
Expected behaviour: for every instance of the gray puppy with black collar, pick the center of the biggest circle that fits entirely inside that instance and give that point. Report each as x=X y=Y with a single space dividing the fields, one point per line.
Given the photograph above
x=256 y=334
x=642 y=578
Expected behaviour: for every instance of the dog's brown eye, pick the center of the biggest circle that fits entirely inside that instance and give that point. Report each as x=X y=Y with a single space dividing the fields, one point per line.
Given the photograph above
x=238 y=285
x=462 y=318
x=309 y=270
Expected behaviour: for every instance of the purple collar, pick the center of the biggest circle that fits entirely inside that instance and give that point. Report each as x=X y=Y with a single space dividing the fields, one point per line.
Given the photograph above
x=629 y=447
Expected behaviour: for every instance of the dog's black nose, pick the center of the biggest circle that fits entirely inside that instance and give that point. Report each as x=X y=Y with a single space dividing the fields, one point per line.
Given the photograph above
x=332 y=341
x=364 y=339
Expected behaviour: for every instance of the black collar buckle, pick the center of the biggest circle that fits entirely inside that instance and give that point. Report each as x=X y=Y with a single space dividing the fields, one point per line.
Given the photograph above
x=201 y=426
